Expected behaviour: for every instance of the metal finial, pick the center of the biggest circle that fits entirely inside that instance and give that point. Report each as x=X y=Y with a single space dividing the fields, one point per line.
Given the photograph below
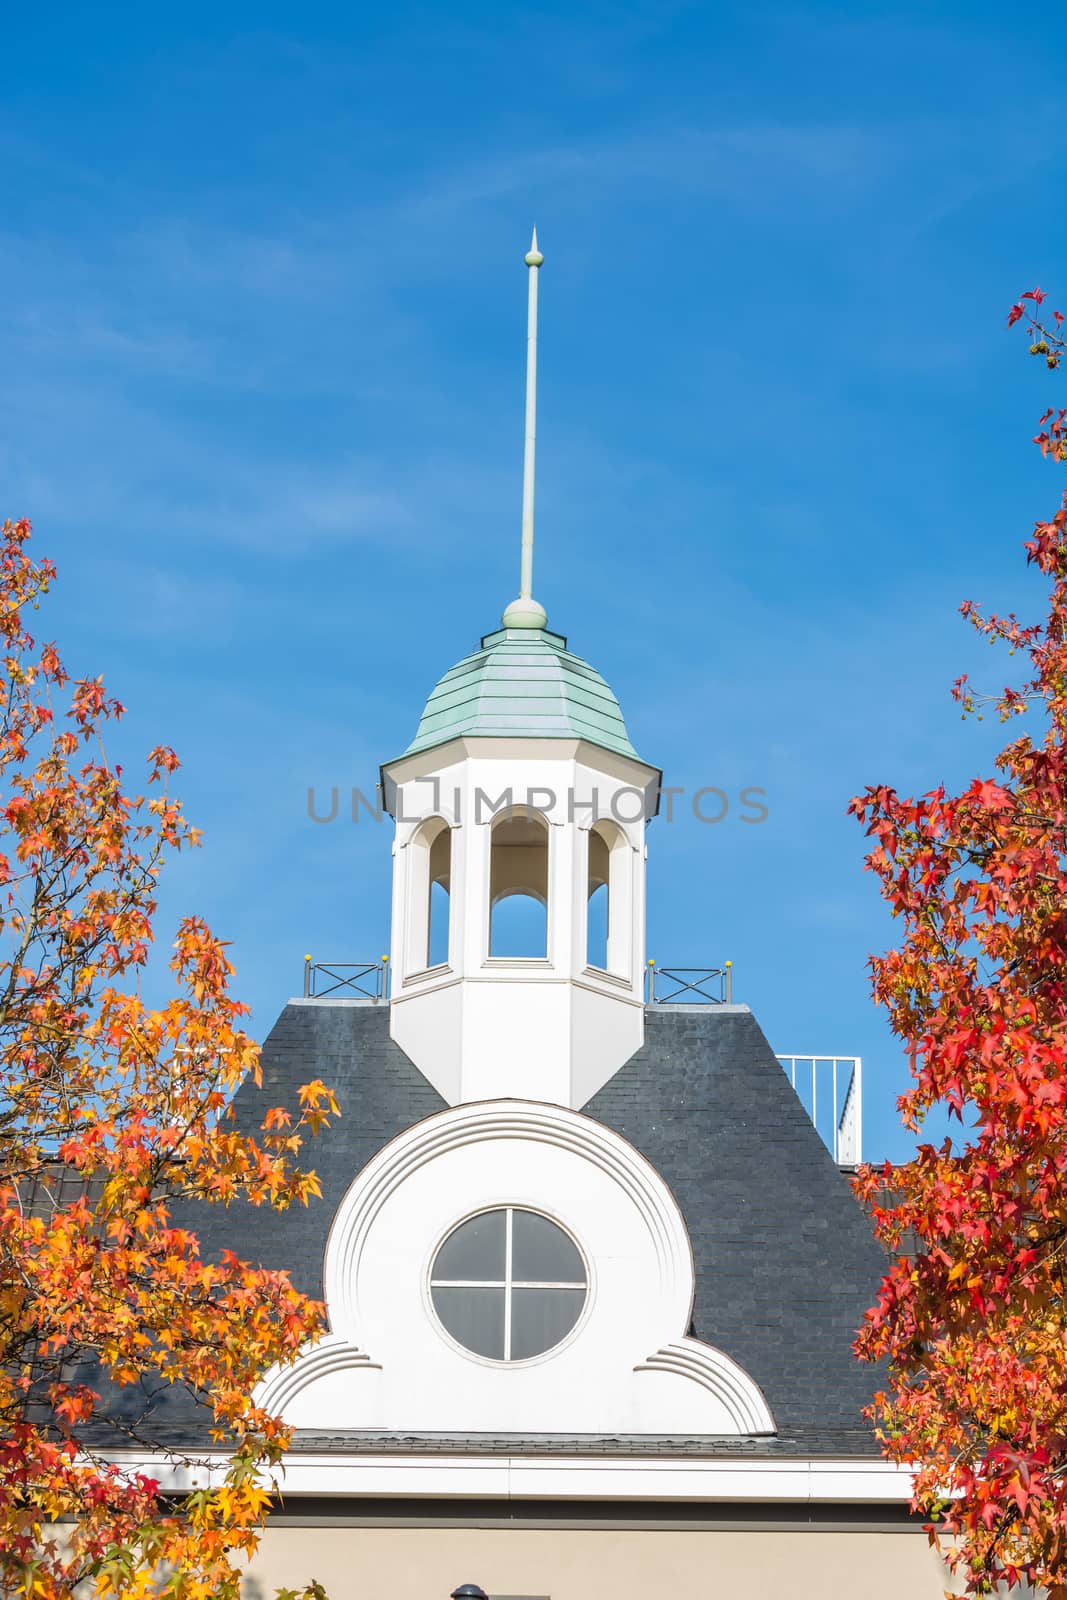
x=525 y=611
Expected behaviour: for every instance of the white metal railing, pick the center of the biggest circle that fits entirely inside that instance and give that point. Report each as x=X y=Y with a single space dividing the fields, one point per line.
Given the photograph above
x=845 y=1099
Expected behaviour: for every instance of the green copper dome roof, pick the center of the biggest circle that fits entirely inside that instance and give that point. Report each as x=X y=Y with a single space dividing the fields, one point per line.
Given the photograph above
x=523 y=683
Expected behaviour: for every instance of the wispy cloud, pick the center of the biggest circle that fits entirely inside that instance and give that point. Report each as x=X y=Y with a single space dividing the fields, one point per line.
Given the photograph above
x=68 y=335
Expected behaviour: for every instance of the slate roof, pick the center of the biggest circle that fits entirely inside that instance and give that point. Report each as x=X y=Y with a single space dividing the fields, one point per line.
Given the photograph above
x=836 y=1442
x=785 y=1259
x=786 y=1262
x=523 y=683
x=380 y=1094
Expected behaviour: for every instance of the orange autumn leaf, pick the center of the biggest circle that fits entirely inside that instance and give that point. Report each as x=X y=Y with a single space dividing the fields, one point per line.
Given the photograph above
x=111 y=1113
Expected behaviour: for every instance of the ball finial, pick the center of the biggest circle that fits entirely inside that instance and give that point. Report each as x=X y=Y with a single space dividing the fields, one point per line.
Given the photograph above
x=524 y=613
x=534 y=257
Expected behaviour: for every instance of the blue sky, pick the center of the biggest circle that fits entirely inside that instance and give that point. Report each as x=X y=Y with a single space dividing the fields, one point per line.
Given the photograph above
x=263 y=340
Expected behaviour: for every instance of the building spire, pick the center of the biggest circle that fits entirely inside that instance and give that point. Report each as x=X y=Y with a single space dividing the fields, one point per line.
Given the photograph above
x=525 y=611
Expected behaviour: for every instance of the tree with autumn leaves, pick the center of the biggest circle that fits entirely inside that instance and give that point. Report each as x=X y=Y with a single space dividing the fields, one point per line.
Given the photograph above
x=113 y=1114
x=971 y=1318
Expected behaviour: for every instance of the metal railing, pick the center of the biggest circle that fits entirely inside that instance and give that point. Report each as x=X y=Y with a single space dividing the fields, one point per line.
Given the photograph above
x=846 y=1109
x=356 y=980
x=702 y=986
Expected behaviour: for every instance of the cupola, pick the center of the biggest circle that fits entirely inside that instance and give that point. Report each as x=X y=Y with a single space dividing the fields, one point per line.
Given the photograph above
x=519 y=860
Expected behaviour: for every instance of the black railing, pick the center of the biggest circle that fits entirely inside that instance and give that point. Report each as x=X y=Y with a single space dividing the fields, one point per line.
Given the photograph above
x=702 y=986
x=664 y=986
x=354 y=980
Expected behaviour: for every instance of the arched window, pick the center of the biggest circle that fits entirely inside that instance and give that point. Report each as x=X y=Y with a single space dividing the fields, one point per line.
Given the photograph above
x=440 y=897
x=598 y=902
x=518 y=884
x=430 y=886
x=608 y=930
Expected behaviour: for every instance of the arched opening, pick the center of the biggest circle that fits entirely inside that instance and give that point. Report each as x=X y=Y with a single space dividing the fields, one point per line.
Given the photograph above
x=518 y=885
x=608 y=900
x=598 y=902
x=429 y=904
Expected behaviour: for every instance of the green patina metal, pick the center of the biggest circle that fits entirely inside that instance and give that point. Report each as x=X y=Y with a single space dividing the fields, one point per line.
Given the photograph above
x=523 y=683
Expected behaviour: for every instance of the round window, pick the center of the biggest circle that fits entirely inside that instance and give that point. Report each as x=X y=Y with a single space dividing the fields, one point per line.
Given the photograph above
x=508 y=1284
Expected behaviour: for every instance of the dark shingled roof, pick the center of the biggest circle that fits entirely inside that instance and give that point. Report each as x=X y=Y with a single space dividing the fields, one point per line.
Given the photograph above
x=786 y=1262
x=785 y=1258
x=836 y=1442
x=380 y=1093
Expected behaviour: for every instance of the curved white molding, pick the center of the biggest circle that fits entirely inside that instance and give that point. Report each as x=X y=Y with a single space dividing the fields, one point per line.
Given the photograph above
x=600 y=1379
x=279 y=1387
x=406 y=828
x=529 y=1121
x=716 y=1372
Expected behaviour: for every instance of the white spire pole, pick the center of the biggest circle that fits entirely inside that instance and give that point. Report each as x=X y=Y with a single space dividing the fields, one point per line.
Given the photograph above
x=533 y=261
x=525 y=611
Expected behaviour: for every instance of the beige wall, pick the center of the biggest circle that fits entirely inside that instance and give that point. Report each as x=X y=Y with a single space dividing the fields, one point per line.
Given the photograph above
x=576 y=1564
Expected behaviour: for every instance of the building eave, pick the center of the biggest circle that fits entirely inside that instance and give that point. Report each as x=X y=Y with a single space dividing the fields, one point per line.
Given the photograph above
x=821 y=1480
x=423 y=763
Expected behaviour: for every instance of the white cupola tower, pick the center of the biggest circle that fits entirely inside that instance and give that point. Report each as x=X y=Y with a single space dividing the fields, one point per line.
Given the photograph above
x=518 y=947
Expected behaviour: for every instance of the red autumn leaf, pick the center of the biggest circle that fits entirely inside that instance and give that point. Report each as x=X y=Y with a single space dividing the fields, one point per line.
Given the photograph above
x=972 y=1321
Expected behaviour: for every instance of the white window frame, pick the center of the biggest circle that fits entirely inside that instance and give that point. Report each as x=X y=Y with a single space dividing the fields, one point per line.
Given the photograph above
x=509 y=1283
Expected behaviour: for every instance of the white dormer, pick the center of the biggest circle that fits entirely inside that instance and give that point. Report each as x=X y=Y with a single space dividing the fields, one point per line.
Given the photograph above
x=519 y=877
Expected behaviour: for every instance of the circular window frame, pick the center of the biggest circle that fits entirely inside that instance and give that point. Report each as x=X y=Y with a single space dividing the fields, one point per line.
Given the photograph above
x=506 y=1364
